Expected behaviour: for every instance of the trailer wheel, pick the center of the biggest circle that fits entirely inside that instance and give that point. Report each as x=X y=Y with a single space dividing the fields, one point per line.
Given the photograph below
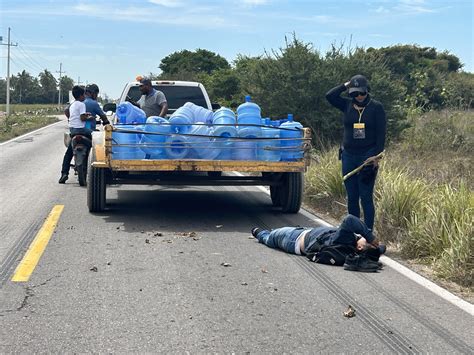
x=275 y=194
x=96 y=187
x=292 y=192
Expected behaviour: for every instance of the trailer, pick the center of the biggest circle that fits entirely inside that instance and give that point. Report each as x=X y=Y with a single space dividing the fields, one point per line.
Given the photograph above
x=284 y=178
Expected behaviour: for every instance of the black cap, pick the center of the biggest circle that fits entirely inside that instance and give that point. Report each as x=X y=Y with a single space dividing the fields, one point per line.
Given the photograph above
x=92 y=88
x=145 y=81
x=358 y=83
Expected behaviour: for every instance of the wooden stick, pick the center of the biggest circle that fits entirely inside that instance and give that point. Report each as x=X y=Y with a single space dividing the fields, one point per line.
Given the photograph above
x=359 y=168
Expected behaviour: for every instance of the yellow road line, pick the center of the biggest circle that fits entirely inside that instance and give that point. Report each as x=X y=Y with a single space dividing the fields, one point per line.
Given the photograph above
x=37 y=247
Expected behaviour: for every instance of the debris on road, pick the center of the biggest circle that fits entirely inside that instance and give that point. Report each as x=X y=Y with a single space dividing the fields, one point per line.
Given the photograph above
x=147 y=241
x=219 y=226
x=94 y=268
x=350 y=312
x=226 y=264
x=158 y=234
x=264 y=270
x=244 y=284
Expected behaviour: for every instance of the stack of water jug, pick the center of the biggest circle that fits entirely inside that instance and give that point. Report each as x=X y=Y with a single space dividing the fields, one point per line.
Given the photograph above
x=193 y=132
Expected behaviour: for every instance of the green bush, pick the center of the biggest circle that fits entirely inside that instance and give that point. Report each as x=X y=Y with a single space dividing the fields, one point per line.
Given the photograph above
x=397 y=195
x=324 y=178
x=443 y=231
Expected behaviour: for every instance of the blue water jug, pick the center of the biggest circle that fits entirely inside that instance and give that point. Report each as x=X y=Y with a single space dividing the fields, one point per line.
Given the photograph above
x=225 y=117
x=291 y=149
x=129 y=114
x=181 y=120
x=268 y=150
x=247 y=148
x=153 y=144
x=125 y=144
x=200 y=114
x=177 y=147
x=203 y=147
x=248 y=113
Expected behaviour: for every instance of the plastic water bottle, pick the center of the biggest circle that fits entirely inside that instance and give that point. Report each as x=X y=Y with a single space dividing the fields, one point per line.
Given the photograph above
x=130 y=114
x=249 y=113
x=200 y=114
x=177 y=147
x=203 y=147
x=272 y=153
x=224 y=116
x=181 y=120
x=153 y=144
x=291 y=149
x=125 y=144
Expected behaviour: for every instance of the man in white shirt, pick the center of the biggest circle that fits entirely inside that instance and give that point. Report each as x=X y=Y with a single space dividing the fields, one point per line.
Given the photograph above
x=77 y=125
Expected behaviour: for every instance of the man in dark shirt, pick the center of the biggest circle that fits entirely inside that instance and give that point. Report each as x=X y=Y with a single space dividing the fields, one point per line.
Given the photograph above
x=302 y=241
x=364 y=124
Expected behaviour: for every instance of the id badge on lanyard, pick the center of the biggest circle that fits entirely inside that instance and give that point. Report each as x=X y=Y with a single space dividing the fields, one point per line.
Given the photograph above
x=359 y=128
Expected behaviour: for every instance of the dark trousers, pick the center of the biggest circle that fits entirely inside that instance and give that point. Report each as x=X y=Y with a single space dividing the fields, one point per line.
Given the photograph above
x=67 y=160
x=360 y=187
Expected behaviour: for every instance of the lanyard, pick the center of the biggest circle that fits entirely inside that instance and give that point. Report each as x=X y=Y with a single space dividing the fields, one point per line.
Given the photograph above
x=361 y=112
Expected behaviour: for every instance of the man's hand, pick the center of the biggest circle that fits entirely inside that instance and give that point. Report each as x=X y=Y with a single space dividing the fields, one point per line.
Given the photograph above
x=361 y=244
x=373 y=160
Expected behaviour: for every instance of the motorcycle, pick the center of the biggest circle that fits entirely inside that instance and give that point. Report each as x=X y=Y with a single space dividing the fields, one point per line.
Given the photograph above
x=81 y=146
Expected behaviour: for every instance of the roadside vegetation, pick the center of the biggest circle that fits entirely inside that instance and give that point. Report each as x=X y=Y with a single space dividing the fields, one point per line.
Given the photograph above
x=25 y=118
x=424 y=193
x=424 y=196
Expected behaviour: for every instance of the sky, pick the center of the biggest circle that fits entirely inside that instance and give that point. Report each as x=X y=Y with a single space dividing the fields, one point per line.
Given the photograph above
x=110 y=42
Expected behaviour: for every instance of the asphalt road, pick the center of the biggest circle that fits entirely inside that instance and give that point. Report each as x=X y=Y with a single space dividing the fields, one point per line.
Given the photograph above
x=148 y=275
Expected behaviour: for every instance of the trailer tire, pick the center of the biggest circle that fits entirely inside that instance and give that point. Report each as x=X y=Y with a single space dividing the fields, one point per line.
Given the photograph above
x=275 y=194
x=96 y=187
x=292 y=192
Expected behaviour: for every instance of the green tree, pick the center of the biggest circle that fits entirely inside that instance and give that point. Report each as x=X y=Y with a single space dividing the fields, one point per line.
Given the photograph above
x=3 y=91
x=200 y=61
x=66 y=84
x=48 y=87
x=25 y=88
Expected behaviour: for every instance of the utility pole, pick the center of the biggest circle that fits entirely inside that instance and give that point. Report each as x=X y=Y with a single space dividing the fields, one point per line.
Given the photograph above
x=9 y=44
x=60 y=73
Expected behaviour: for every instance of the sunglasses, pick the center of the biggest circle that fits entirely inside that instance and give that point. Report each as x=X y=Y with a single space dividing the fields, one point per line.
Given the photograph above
x=357 y=93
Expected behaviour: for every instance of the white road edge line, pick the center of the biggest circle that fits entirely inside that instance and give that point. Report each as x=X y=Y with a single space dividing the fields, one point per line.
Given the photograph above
x=32 y=132
x=420 y=280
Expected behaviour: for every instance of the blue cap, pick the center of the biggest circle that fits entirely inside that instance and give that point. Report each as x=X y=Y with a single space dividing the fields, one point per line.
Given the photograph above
x=290 y=117
x=247 y=98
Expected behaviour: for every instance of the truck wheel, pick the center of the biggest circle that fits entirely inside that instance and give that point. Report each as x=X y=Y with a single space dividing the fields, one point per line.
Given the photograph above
x=275 y=194
x=292 y=192
x=96 y=187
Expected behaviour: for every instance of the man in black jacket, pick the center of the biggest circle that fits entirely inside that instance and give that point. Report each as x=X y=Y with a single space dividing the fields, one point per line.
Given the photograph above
x=303 y=241
x=364 y=124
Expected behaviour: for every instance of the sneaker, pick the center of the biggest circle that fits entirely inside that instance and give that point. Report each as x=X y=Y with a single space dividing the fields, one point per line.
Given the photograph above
x=255 y=231
x=360 y=263
x=63 y=178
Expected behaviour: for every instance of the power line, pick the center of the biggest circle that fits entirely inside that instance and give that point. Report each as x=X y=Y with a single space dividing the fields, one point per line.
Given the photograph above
x=27 y=44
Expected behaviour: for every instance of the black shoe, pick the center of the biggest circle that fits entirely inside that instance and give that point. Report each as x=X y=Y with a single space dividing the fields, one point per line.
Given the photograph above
x=63 y=178
x=379 y=265
x=360 y=263
x=255 y=231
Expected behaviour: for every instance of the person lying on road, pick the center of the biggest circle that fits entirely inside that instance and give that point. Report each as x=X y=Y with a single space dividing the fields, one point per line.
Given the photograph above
x=351 y=244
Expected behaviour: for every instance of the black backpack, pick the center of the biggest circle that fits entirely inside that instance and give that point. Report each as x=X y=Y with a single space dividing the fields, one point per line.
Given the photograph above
x=332 y=254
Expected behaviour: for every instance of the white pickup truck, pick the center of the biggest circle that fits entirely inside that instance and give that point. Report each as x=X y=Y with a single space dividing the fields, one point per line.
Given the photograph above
x=177 y=93
x=285 y=178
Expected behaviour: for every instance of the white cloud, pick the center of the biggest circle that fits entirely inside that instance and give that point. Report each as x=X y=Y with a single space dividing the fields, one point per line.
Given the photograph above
x=167 y=3
x=381 y=10
x=254 y=2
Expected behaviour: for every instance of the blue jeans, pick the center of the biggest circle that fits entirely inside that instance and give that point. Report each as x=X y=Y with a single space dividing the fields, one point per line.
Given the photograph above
x=360 y=186
x=281 y=238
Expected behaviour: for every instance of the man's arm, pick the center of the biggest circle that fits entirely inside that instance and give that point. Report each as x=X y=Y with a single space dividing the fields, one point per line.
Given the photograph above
x=67 y=113
x=354 y=225
x=164 y=109
x=335 y=99
x=134 y=103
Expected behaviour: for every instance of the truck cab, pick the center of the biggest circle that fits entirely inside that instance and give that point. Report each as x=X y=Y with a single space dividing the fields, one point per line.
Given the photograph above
x=177 y=93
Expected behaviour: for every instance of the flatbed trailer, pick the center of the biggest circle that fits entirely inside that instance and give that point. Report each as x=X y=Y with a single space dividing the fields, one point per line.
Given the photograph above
x=285 y=178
